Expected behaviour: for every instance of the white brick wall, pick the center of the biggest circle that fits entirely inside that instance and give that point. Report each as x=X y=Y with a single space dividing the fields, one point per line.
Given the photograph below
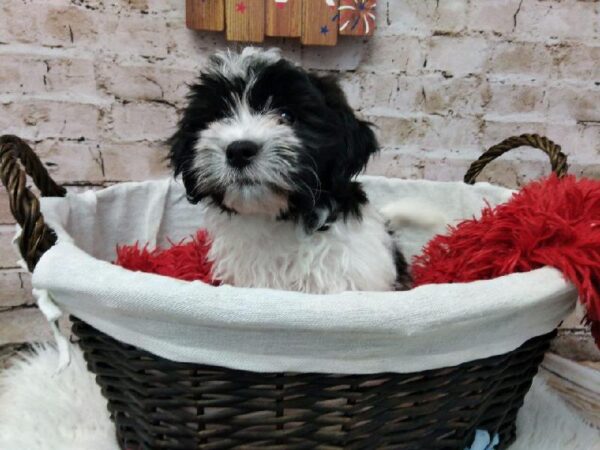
x=97 y=85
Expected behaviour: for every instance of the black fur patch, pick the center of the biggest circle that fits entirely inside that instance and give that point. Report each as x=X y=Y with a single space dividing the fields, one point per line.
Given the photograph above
x=403 y=278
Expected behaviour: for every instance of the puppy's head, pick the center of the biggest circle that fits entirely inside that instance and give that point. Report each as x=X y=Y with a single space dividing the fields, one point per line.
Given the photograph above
x=262 y=136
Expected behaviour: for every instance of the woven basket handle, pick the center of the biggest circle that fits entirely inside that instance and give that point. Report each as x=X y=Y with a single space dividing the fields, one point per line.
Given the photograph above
x=557 y=158
x=36 y=237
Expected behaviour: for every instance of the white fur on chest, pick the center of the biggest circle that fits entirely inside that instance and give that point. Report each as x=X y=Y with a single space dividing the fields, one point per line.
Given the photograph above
x=257 y=251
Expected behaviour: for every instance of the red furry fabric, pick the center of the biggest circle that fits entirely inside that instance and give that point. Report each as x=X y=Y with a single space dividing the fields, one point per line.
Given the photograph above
x=185 y=261
x=553 y=222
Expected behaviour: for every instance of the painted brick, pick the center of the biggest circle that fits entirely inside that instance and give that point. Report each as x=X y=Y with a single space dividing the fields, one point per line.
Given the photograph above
x=494 y=130
x=590 y=142
x=24 y=325
x=21 y=74
x=581 y=142
x=525 y=59
x=425 y=17
x=579 y=62
x=497 y=16
x=450 y=16
x=431 y=132
x=466 y=96
x=507 y=99
x=6 y=216
x=568 y=102
x=457 y=55
x=394 y=131
x=446 y=168
x=391 y=94
x=393 y=54
x=447 y=133
x=142 y=35
x=586 y=170
x=542 y=20
x=162 y=6
x=137 y=161
x=346 y=55
x=142 y=121
x=146 y=82
x=191 y=48
x=70 y=75
x=37 y=75
x=64 y=25
x=39 y=119
x=410 y=17
x=16 y=289
x=8 y=256
x=72 y=161
x=16 y=23
x=396 y=163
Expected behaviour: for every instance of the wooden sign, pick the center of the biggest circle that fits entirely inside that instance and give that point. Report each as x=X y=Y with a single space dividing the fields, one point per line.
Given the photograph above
x=284 y=18
x=205 y=15
x=316 y=22
x=357 y=17
x=319 y=22
x=245 y=20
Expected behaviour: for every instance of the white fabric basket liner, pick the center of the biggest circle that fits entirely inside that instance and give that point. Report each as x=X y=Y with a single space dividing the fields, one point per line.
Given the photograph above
x=267 y=330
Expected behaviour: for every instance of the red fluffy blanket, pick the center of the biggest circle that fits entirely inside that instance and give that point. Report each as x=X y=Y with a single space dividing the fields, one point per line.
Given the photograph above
x=553 y=222
x=185 y=260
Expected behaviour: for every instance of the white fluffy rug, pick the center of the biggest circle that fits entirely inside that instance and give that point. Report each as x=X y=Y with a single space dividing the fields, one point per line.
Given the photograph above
x=42 y=410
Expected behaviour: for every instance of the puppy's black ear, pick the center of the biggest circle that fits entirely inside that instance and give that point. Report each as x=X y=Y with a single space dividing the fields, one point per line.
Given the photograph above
x=197 y=113
x=360 y=141
x=361 y=146
x=181 y=154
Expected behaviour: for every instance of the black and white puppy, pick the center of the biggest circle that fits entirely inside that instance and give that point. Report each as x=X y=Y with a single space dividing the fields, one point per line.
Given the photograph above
x=272 y=153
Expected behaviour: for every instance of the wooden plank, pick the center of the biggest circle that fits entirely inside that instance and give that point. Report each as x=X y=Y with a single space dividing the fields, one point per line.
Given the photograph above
x=284 y=18
x=245 y=20
x=357 y=17
x=319 y=22
x=205 y=15
x=577 y=382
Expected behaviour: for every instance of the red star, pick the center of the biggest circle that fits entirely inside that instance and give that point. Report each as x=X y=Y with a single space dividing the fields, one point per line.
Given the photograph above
x=280 y=5
x=240 y=7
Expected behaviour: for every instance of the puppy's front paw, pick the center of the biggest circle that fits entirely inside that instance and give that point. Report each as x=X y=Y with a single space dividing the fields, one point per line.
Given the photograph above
x=414 y=213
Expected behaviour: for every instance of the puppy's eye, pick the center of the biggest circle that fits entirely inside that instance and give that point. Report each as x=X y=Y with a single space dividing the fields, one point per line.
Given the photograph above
x=286 y=117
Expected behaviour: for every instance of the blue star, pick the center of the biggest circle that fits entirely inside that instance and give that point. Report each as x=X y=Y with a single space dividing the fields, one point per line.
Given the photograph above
x=324 y=29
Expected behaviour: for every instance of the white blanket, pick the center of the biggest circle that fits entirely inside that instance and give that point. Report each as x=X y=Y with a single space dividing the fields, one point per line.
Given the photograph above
x=266 y=330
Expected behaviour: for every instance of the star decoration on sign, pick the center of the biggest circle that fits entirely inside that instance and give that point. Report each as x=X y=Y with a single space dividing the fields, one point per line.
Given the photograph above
x=324 y=29
x=240 y=7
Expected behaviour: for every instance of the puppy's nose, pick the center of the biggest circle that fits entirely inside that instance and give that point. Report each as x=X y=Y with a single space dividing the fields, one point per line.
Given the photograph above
x=240 y=153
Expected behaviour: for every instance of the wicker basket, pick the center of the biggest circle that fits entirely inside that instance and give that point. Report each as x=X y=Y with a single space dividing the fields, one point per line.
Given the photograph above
x=159 y=404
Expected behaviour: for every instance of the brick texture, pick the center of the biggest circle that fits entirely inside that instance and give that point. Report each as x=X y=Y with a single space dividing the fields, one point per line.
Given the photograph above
x=97 y=85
